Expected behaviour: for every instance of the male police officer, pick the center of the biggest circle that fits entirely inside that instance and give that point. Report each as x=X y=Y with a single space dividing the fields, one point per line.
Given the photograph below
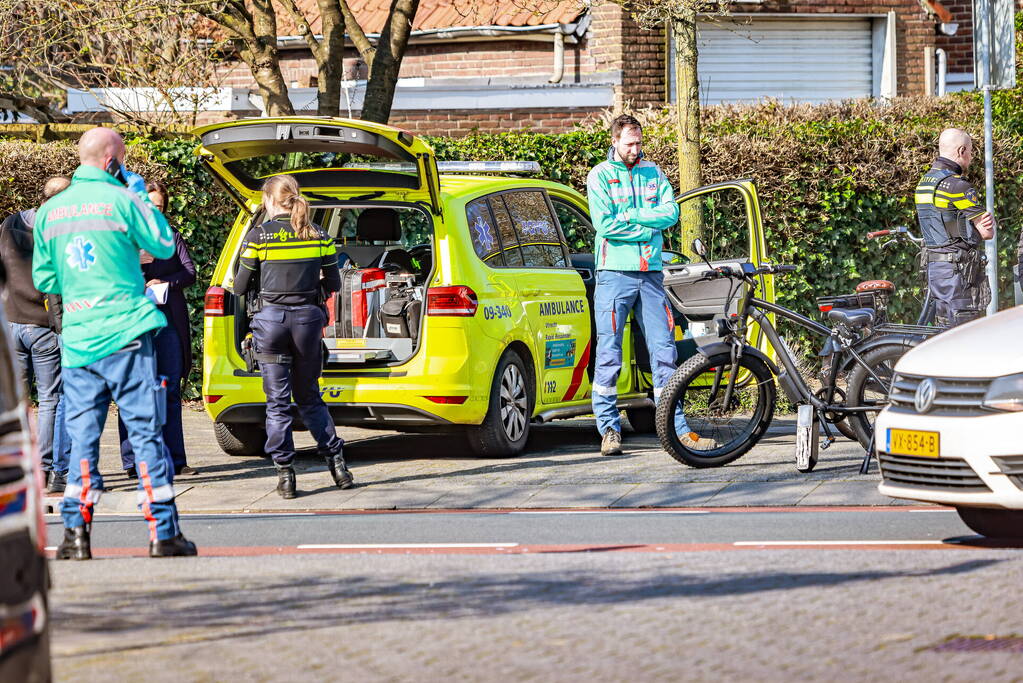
x=87 y=242
x=954 y=224
x=631 y=202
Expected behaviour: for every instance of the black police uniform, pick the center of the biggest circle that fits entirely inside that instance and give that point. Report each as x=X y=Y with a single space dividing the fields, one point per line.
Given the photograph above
x=288 y=330
x=946 y=205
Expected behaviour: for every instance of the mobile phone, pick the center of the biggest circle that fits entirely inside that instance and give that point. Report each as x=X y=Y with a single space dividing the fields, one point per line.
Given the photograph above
x=115 y=169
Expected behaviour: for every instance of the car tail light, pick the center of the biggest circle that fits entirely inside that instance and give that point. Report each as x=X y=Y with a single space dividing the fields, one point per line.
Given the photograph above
x=457 y=300
x=447 y=400
x=214 y=302
x=824 y=308
x=212 y=398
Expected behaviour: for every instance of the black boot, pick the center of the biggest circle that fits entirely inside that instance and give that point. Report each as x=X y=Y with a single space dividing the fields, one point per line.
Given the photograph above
x=286 y=482
x=179 y=546
x=56 y=482
x=75 y=545
x=339 y=471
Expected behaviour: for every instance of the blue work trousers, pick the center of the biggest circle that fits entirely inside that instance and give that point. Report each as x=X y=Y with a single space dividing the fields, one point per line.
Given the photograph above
x=169 y=364
x=129 y=378
x=617 y=294
x=38 y=351
x=294 y=335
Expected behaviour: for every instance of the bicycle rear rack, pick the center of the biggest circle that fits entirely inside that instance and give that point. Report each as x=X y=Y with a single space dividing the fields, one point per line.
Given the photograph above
x=916 y=330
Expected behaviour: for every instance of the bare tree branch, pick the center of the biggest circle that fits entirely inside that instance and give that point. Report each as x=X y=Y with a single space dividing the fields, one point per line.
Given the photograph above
x=356 y=34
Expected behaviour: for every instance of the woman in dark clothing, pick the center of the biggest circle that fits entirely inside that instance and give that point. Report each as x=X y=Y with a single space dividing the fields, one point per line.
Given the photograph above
x=173 y=342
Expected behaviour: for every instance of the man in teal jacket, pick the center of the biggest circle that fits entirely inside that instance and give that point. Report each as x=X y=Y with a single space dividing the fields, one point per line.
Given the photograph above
x=87 y=242
x=631 y=202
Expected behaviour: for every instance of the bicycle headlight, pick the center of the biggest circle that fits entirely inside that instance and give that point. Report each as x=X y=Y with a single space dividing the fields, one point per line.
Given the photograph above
x=1005 y=393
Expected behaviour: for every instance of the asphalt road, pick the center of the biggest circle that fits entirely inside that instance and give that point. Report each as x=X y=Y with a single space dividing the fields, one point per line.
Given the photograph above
x=283 y=532
x=586 y=595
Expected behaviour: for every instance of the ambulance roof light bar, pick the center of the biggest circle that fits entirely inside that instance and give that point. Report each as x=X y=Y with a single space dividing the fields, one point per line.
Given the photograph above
x=524 y=167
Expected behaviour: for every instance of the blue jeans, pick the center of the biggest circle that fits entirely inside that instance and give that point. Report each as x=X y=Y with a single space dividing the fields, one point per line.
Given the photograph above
x=129 y=378
x=169 y=364
x=617 y=294
x=294 y=331
x=38 y=350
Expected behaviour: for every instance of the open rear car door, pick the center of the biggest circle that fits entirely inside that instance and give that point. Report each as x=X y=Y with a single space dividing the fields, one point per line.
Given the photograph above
x=727 y=217
x=322 y=153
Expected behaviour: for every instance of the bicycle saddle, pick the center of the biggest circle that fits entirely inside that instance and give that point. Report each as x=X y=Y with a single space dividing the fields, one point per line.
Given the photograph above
x=852 y=317
x=875 y=286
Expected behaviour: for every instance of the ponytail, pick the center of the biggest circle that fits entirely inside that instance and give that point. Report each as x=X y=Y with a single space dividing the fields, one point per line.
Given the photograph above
x=284 y=190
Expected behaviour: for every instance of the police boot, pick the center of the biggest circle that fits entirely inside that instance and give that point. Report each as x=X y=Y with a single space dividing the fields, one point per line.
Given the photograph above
x=179 y=546
x=286 y=482
x=76 y=545
x=339 y=471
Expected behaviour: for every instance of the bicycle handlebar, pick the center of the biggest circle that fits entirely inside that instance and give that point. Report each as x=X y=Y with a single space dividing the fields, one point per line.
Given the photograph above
x=766 y=269
x=897 y=234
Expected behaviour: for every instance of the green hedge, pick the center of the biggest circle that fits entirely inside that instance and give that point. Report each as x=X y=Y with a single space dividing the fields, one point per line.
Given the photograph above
x=826 y=175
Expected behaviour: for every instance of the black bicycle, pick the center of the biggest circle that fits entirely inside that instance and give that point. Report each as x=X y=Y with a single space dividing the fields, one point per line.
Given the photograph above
x=876 y=295
x=727 y=392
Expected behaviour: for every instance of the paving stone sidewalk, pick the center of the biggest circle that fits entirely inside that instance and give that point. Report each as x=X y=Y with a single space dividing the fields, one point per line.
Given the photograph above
x=562 y=468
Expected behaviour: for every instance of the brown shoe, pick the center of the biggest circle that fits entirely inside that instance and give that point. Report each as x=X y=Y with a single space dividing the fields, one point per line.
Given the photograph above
x=611 y=444
x=697 y=442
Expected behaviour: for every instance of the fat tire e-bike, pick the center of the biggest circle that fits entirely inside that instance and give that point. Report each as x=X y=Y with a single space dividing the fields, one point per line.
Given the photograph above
x=727 y=389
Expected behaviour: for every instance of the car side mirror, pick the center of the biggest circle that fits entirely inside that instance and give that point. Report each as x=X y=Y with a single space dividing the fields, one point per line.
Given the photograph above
x=699 y=248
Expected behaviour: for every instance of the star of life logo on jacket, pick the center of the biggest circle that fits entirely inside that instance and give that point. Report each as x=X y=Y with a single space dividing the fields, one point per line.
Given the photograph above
x=80 y=254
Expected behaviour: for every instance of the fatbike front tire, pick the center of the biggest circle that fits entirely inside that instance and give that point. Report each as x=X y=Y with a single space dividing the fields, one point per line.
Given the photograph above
x=752 y=404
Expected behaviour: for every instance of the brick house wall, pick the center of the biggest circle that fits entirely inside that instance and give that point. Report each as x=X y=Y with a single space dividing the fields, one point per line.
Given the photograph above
x=616 y=48
x=959 y=48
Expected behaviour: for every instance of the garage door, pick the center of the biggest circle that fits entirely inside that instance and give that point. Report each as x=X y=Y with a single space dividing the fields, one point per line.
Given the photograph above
x=794 y=60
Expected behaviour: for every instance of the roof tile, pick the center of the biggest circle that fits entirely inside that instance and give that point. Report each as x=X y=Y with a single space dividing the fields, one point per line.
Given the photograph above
x=434 y=14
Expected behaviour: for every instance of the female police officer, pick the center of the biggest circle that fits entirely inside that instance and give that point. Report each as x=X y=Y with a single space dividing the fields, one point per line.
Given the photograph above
x=282 y=261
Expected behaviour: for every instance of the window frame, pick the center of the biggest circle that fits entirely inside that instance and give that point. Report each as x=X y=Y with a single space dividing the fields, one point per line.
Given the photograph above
x=562 y=242
x=562 y=201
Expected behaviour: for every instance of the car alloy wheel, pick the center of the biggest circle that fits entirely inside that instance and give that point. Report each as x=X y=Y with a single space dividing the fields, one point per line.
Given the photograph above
x=514 y=405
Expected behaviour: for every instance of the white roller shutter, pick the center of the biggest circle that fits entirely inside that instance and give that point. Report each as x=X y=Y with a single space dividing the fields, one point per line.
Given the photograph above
x=793 y=60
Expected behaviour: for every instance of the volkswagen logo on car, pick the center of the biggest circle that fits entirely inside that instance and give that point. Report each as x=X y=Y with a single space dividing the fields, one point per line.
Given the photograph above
x=924 y=398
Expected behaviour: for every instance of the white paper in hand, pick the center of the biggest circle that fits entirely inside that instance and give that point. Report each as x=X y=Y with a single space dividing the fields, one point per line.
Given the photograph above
x=158 y=293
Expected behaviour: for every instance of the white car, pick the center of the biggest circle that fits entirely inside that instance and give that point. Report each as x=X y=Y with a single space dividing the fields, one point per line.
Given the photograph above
x=953 y=433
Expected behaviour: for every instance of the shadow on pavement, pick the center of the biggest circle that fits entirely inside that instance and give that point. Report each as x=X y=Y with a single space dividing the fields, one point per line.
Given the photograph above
x=263 y=606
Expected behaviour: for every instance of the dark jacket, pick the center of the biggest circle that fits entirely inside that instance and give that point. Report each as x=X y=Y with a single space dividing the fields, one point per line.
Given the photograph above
x=286 y=269
x=178 y=271
x=946 y=205
x=23 y=303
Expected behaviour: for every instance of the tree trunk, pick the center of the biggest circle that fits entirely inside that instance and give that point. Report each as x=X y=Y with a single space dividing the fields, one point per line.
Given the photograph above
x=266 y=71
x=330 y=69
x=383 y=75
x=687 y=111
x=255 y=35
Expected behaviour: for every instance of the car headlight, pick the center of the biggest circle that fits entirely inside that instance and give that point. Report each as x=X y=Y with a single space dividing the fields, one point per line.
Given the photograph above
x=1005 y=393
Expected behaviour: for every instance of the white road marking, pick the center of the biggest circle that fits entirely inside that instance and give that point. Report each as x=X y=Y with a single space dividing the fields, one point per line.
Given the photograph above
x=936 y=510
x=622 y=511
x=837 y=543
x=390 y=546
